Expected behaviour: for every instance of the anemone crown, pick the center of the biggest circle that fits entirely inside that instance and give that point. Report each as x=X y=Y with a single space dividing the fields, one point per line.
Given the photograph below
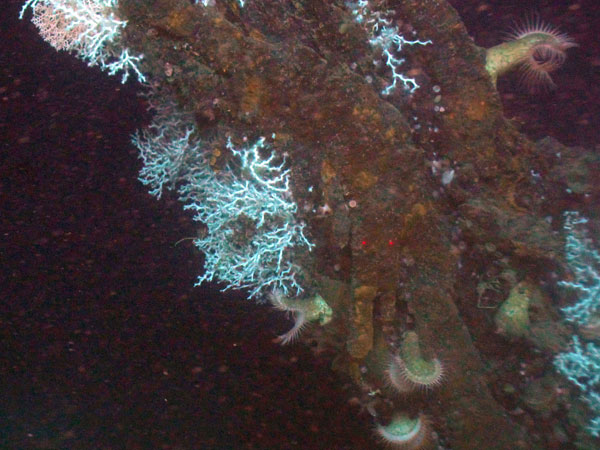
x=536 y=48
x=404 y=433
x=547 y=53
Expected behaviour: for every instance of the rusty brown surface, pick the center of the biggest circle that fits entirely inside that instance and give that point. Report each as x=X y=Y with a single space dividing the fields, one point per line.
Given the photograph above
x=387 y=257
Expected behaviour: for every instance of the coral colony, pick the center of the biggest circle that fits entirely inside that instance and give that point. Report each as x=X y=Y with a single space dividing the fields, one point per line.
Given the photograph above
x=88 y=28
x=582 y=364
x=385 y=36
x=239 y=187
x=247 y=208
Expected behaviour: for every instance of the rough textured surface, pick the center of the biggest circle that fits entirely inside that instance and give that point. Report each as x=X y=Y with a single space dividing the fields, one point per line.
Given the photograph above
x=307 y=84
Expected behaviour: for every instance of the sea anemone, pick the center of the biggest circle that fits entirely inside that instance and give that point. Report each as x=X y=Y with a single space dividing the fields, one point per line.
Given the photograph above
x=408 y=370
x=536 y=48
x=303 y=311
x=404 y=433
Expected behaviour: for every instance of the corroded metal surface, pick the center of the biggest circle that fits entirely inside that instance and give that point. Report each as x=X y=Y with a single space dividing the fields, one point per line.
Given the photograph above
x=393 y=240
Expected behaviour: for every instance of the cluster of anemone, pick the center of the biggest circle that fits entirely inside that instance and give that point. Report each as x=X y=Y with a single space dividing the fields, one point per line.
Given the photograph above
x=410 y=371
